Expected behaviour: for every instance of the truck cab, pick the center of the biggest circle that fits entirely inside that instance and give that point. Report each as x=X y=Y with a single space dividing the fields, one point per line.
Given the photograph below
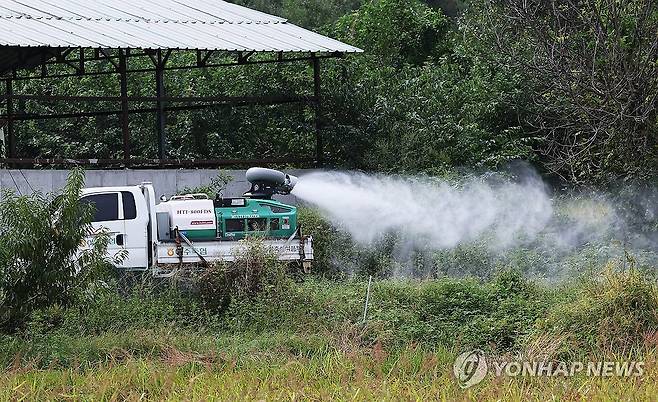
x=124 y=213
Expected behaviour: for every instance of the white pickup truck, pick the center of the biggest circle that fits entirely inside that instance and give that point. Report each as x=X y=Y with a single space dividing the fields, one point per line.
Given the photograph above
x=192 y=230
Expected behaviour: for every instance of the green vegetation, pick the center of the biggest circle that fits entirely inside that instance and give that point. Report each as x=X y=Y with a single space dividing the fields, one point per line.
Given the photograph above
x=216 y=186
x=443 y=85
x=308 y=339
x=39 y=238
x=440 y=87
x=616 y=312
x=256 y=328
x=330 y=375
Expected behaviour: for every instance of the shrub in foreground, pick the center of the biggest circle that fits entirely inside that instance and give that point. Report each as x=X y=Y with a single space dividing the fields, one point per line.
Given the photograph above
x=255 y=273
x=40 y=261
x=445 y=312
x=111 y=310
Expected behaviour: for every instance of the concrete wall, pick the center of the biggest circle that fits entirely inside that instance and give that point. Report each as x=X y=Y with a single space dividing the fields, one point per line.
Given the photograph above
x=165 y=181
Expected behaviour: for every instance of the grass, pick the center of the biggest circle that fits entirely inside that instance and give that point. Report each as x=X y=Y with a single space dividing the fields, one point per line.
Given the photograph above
x=306 y=340
x=266 y=367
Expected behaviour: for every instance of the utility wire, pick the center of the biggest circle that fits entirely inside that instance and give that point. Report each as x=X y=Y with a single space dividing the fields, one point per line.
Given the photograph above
x=15 y=184
x=25 y=178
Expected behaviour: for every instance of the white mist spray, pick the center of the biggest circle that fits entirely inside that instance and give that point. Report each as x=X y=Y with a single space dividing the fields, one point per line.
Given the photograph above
x=430 y=212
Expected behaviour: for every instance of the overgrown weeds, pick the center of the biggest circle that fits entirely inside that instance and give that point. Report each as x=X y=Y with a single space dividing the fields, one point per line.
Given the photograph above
x=616 y=311
x=255 y=272
x=252 y=307
x=371 y=373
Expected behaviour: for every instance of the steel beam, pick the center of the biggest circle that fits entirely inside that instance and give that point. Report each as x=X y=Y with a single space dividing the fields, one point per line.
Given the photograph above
x=76 y=98
x=125 y=126
x=11 y=140
x=81 y=62
x=109 y=57
x=227 y=101
x=276 y=59
x=160 y=105
x=319 y=144
x=155 y=162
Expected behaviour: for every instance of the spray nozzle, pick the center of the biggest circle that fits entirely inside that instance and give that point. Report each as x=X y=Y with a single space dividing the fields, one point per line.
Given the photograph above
x=267 y=182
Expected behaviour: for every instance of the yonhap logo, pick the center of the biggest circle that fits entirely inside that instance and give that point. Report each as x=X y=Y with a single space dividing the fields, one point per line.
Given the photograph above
x=470 y=368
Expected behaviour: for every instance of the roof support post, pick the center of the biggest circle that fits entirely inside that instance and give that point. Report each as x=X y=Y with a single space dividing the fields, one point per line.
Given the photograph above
x=160 y=104
x=125 y=126
x=319 y=145
x=81 y=61
x=10 y=146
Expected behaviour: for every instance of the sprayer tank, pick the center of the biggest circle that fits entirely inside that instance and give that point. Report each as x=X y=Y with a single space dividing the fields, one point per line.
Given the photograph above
x=194 y=218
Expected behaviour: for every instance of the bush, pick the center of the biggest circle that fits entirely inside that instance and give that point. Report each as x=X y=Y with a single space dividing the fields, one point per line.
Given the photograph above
x=216 y=186
x=328 y=242
x=256 y=272
x=398 y=31
x=41 y=263
x=447 y=312
x=143 y=307
x=497 y=315
x=615 y=311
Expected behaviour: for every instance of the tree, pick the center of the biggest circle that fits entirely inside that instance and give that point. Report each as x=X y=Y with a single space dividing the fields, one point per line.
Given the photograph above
x=396 y=31
x=40 y=261
x=311 y=14
x=421 y=98
x=592 y=67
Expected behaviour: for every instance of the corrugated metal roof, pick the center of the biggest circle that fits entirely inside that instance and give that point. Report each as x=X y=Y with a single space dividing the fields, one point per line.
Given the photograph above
x=153 y=24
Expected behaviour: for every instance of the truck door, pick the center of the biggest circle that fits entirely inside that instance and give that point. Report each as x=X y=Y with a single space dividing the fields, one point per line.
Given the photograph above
x=116 y=211
x=106 y=216
x=135 y=239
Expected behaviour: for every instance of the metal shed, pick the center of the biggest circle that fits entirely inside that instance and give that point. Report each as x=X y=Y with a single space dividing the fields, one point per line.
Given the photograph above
x=35 y=34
